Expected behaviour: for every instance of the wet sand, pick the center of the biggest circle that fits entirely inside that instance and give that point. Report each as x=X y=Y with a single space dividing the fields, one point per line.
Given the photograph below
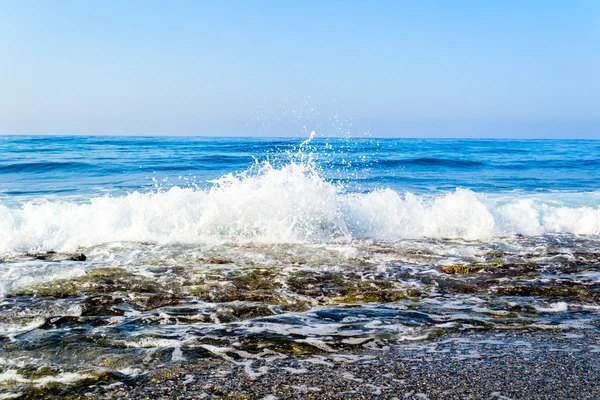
x=538 y=364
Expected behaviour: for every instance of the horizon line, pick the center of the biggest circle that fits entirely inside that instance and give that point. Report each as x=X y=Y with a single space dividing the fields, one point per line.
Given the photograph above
x=361 y=137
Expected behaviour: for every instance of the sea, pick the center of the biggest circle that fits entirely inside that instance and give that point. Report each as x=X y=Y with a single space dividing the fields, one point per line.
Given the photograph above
x=123 y=254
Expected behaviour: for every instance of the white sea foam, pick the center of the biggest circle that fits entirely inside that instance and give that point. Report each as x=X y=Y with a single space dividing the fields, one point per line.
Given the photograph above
x=288 y=204
x=10 y=376
x=560 y=306
x=13 y=276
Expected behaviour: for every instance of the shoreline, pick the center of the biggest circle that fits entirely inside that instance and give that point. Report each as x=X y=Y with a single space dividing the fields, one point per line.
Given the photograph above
x=470 y=364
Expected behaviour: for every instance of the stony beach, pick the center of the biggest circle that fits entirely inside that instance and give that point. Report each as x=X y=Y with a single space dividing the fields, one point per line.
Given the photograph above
x=469 y=365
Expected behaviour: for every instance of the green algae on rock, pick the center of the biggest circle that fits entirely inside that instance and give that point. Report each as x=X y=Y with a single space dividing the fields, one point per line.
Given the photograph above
x=50 y=384
x=104 y=288
x=379 y=296
x=545 y=291
x=462 y=269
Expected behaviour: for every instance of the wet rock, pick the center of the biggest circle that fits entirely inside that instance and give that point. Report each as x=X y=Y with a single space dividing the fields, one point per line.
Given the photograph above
x=108 y=271
x=496 y=269
x=279 y=344
x=520 y=267
x=257 y=279
x=54 y=256
x=215 y=260
x=243 y=310
x=57 y=390
x=104 y=305
x=462 y=287
x=58 y=288
x=379 y=296
x=227 y=292
x=106 y=289
x=339 y=287
x=253 y=285
x=462 y=269
x=150 y=302
x=72 y=321
x=545 y=291
x=492 y=255
x=78 y=257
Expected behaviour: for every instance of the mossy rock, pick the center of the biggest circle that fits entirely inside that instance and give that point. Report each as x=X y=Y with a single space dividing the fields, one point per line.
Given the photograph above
x=216 y=292
x=331 y=285
x=545 y=291
x=108 y=271
x=462 y=269
x=54 y=256
x=242 y=310
x=504 y=315
x=146 y=302
x=496 y=264
x=279 y=345
x=521 y=267
x=463 y=287
x=57 y=390
x=379 y=296
x=100 y=280
x=216 y=260
x=58 y=288
x=108 y=305
x=227 y=292
x=78 y=257
x=253 y=285
x=104 y=290
x=32 y=372
x=102 y=304
x=493 y=254
x=257 y=279
x=410 y=252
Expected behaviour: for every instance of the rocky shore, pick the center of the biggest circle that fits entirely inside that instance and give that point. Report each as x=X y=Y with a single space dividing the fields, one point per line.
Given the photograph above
x=473 y=365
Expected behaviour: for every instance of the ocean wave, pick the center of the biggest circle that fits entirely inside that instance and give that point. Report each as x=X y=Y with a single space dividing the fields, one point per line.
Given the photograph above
x=292 y=203
x=37 y=167
x=439 y=162
x=412 y=162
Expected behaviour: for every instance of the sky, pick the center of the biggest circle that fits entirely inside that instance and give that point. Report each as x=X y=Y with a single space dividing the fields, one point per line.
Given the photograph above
x=285 y=68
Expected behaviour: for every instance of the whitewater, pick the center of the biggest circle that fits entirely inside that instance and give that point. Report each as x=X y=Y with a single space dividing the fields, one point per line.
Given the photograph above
x=293 y=203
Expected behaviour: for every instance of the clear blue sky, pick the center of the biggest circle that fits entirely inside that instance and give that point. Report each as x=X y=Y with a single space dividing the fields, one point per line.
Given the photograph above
x=393 y=68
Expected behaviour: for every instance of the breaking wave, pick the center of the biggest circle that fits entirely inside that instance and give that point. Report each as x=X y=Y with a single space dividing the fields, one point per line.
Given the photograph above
x=292 y=203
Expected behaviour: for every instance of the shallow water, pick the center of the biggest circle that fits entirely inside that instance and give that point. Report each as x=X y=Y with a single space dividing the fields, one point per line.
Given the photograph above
x=245 y=249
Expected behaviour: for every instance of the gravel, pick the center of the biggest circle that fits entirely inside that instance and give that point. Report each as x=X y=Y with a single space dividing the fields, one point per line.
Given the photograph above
x=465 y=365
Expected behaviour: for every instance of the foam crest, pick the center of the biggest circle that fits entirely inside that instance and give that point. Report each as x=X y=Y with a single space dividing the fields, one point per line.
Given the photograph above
x=292 y=203
x=387 y=215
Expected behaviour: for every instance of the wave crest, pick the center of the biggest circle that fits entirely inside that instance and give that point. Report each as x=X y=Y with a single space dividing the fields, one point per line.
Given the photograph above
x=288 y=204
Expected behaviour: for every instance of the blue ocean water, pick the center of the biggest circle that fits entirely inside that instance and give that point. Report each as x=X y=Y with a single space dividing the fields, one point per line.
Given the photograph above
x=88 y=166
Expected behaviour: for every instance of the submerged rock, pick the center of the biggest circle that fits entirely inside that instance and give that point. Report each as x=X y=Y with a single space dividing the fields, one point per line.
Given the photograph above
x=379 y=296
x=493 y=255
x=54 y=256
x=339 y=287
x=53 y=384
x=58 y=288
x=252 y=285
x=545 y=291
x=215 y=260
x=104 y=289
